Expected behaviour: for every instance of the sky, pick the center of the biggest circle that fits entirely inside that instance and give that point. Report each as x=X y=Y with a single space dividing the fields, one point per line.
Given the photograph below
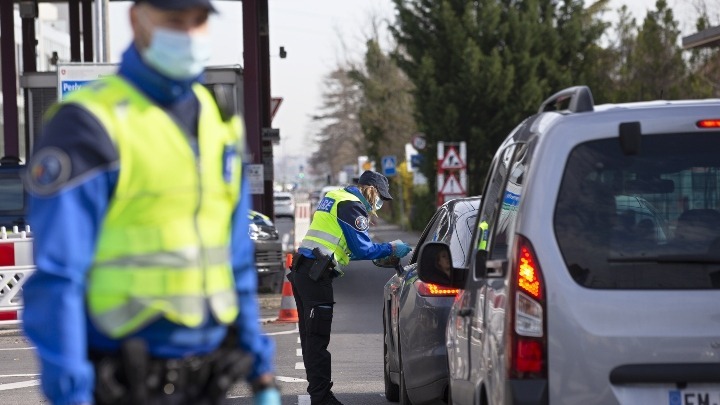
x=318 y=35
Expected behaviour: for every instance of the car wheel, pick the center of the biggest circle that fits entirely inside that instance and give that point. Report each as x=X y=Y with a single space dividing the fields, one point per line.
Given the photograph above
x=392 y=391
x=404 y=399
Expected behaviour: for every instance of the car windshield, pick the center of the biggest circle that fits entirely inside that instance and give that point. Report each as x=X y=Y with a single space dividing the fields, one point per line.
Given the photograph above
x=11 y=194
x=644 y=221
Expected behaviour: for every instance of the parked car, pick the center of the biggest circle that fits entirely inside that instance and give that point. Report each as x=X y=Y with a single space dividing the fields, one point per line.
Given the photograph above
x=415 y=312
x=269 y=260
x=13 y=201
x=284 y=204
x=565 y=301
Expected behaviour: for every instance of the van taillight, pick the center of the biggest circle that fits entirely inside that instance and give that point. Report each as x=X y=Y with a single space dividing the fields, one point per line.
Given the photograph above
x=529 y=356
x=526 y=327
x=434 y=290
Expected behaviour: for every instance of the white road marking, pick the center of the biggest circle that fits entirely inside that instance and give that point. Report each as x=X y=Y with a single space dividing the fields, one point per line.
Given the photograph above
x=303 y=399
x=18 y=375
x=298 y=339
x=21 y=384
x=298 y=352
x=18 y=348
x=287 y=332
x=290 y=379
x=300 y=366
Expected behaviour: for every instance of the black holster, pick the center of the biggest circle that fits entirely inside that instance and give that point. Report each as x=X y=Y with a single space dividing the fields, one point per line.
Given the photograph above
x=322 y=267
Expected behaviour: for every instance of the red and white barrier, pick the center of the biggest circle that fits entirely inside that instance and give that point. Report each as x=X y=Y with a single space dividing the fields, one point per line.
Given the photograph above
x=303 y=215
x=16 y=265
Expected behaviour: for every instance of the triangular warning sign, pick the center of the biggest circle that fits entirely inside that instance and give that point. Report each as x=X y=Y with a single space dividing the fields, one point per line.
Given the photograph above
x=452 y=186
x=452 y=160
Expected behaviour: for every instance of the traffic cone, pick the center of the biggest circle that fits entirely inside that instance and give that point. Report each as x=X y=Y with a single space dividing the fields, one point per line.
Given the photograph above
x=288 y=309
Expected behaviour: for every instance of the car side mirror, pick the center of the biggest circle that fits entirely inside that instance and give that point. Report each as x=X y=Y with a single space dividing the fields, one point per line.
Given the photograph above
x=435 y=266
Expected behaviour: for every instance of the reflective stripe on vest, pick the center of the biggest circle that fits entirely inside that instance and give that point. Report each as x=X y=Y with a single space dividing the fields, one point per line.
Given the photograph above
x=325 y=232
x=163 y=247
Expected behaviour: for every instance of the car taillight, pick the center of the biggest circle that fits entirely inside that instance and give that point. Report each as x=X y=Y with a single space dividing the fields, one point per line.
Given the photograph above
x=527 y=324
x=7 y=254
x=434 y=290
x=715 y=123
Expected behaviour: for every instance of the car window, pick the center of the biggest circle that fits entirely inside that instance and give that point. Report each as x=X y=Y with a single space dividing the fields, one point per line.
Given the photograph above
x=502 y=239
x=11 y=194
x=427 y=234
x=644 y=221
x=460 y=240
x=492 y=198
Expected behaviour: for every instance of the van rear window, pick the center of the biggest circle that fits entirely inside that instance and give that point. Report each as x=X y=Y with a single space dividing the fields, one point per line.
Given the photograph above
x=645 y=221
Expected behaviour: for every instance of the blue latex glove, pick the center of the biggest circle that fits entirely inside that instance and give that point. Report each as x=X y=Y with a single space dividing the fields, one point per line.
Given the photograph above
x=268 y=396
x=400 y=248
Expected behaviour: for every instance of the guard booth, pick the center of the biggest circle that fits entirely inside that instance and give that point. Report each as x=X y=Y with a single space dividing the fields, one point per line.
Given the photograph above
x=41 y=91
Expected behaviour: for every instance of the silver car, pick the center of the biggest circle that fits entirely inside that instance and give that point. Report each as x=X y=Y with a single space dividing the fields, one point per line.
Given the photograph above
x=415 y=313
x=596 y=272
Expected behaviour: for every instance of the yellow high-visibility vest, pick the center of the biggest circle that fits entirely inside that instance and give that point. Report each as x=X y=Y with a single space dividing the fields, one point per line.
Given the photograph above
x=325 y=232
x=163 y=248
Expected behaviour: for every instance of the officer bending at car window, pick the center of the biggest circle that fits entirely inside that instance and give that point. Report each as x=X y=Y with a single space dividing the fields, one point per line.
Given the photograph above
x=145 y=290
x=338 y=233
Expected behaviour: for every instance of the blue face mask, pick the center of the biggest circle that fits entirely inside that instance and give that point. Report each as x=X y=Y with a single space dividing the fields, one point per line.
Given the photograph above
x=378 y=204
x=177 y=54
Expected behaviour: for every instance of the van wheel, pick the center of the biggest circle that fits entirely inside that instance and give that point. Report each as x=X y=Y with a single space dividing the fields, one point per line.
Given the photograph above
x=392 y=391
x=404 y=399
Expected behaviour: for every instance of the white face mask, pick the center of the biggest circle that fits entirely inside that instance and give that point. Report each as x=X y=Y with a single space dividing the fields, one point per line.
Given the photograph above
x=378 y=203
x=177 y=54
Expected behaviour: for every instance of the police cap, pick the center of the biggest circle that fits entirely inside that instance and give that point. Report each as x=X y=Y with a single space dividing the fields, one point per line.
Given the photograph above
x=377 y=180
x=178 y=4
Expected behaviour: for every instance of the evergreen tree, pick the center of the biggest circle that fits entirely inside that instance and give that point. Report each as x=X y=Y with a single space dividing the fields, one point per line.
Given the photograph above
x=658 y=65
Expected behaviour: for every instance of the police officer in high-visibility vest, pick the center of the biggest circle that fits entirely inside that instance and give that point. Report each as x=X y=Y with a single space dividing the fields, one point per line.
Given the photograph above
x=145 y=289
x=338 y=234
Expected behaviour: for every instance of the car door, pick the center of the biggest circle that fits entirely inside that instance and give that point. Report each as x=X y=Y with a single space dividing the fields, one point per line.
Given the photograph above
x=468 y=316
x=398 y=282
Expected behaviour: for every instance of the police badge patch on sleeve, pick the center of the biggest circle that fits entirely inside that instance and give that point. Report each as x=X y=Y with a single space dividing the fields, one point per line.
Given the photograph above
x=361 y=223
x=49 y=171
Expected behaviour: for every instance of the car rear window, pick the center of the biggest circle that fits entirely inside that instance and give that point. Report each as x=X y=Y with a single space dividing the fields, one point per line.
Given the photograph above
x=644 y=221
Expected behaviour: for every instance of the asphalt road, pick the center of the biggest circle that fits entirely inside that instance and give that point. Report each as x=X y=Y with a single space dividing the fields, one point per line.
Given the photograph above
x=356 y=343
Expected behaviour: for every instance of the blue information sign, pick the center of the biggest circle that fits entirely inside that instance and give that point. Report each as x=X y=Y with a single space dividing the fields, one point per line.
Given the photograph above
x=388 y=165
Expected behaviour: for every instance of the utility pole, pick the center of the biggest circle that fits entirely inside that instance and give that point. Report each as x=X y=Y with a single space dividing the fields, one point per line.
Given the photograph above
x=256 y=81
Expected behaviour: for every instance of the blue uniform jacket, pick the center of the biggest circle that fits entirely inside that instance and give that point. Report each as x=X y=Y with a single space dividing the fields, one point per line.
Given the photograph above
x=71 y=187
x=353 y=219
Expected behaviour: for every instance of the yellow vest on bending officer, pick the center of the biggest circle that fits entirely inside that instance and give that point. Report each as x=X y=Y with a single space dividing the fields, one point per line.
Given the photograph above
x=325 y=232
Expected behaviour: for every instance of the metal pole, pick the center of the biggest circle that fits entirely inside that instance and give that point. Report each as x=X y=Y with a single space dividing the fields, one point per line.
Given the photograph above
x=101 y=30
x=9 y=81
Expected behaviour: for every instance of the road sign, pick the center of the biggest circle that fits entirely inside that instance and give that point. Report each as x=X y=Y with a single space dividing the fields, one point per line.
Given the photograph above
x=452 y=186
x=418 y=141
x=416 y=160
x=388 y=165
x=72 y=76
x=452 y=160
x=275 y=106
x=255 y=176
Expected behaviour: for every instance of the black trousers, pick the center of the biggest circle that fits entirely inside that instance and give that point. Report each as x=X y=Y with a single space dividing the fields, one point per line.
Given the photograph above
x=314 y=301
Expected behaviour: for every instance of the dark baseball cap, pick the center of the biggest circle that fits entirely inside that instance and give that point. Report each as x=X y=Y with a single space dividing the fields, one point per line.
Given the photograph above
x=377 y=180
x=178 y=4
